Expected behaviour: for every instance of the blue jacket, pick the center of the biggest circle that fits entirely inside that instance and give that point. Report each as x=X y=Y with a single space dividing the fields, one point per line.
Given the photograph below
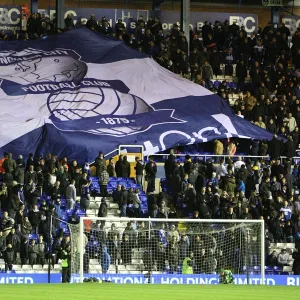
x=105 y=259
x=241 y=187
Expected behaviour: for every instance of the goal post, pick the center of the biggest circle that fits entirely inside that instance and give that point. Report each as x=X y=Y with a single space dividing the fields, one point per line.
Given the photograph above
x=147 y=250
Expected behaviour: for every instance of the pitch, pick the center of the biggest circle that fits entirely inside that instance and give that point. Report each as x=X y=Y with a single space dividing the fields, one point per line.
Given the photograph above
x=108 y=291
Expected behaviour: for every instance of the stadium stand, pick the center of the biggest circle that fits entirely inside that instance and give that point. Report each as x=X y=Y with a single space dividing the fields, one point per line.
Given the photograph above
x=257 y=75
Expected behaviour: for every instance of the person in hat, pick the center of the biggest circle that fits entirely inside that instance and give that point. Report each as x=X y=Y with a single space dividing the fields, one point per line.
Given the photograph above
x=119 y=27
x=283 y=258
x=188 y=165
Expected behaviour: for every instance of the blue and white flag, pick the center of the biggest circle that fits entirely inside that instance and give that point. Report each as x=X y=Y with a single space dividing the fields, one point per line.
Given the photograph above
x=79 y=92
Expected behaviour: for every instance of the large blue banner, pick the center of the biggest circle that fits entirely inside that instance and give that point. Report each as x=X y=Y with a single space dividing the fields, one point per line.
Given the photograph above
x=10 y=17
x=79 y=92
x=168 y=18
x=286 y=280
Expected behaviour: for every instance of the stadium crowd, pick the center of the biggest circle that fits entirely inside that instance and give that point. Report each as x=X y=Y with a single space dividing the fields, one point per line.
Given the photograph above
x=264 y=69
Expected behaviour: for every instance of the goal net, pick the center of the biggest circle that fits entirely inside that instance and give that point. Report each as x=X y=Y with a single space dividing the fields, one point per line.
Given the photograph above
x=125 y=250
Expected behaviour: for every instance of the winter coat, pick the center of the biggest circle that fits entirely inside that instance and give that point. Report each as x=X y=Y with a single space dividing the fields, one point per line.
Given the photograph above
x=230 y=186
x=105 y=259
x=169 y=166
x=24 y=250
x=9 y=165
x=34 y=217
x=102 y=212
x=104 y=177
x=99 y=163
x=218 y=148
x=118 y=167
x=241 y=187
x=26 y=228
x=19 y=175
x=275 y=148
x=111 y=170
x=263 y=150
x=2 y=243
x=9 y=256
x=33 y=249
x=125 y=169
x=124 y=197
x=41 y=249
x=136 y=200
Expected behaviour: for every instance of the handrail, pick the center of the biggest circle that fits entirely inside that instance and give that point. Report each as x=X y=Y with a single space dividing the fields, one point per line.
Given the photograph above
x=208 y=155
x=224 y=156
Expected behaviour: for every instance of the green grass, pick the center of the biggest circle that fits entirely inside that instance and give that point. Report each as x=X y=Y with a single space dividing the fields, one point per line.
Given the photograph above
x=112 y=291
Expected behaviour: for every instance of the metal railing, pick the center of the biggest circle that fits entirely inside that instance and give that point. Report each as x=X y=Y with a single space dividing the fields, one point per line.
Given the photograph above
x=206 y=156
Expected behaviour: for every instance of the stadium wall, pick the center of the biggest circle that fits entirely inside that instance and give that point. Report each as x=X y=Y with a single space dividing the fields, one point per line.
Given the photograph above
x=283 y=280
x=264 y=14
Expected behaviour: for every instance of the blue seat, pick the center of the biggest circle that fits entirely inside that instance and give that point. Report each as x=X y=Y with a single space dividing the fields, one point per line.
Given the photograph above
x=122 y=182
x=69 y=212
x=217 y=83
x=66 y=231
x=80 y=213
x=64 y=217
x=143 y=198
x=132 y=185
x=32 y=236
x=112 y=184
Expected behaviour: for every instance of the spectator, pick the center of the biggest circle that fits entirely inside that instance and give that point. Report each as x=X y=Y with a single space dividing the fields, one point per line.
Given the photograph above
x=41 y=246
x=151 y=170
x=207 y=73
x=102 y=213
x=31 y=175
x=123 y=201
x=118 y=167
x=9 y=258
x=283 y=258
x=296 y=263
x=71 y=195
x=24 y=255
x=104 y=179
x=272 y=259
x=2 y=244
x=33 y=252
x=125 y=168
x=91 y=23
x=136 y=203
x=99 y=163
x=69 y=22
x=34 y=217
x=26 y=227
x=111 y=168
x=139 y=171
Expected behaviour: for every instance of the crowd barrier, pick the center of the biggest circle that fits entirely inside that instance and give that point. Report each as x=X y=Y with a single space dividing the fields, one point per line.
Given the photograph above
x=283 y=280
x=205 y=157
